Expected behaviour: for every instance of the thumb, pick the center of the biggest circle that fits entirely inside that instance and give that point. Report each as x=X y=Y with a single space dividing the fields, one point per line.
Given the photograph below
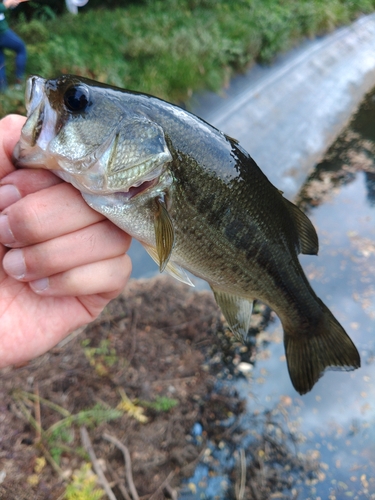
x=10 y=131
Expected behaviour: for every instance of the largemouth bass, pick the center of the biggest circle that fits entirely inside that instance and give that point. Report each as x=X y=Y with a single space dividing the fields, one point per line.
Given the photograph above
x=196 y=201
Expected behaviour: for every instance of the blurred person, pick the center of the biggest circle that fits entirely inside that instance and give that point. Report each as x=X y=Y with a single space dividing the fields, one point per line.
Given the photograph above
x=9 y=40
x=72 y=5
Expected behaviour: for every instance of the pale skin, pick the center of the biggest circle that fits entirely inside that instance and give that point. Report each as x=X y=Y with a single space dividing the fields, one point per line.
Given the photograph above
x=61 y=261
x=13 y=3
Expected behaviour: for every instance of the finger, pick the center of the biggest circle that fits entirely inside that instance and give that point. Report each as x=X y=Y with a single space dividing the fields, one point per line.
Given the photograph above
x=20 y=183
x=99 y=241
x=107 y=278
x=44 y=215
x=10 y=131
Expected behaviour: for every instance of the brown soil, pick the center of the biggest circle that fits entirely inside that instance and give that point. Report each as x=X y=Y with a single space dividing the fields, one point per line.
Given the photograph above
x=149 y=343
x=160 y=339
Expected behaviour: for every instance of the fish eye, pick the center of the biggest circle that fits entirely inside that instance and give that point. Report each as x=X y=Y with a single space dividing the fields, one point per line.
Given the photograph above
x=76 y=98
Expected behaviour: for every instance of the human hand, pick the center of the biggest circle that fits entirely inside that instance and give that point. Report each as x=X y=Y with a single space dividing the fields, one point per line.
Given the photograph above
x=62 y=262
x=12 y=3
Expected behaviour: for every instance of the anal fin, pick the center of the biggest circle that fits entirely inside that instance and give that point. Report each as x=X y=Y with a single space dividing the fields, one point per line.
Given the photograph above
x=171 y=268
x=236 y=310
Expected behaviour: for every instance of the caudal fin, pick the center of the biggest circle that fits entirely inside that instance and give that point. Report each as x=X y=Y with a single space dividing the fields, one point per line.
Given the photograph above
x=310 y=353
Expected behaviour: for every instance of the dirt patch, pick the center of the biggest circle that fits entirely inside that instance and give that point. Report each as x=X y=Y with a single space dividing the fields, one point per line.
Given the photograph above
x=148 y=350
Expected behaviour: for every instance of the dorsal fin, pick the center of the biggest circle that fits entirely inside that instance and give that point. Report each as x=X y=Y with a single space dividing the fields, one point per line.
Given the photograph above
x=308 y=239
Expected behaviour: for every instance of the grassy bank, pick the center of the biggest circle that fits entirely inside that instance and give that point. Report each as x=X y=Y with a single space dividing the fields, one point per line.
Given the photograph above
x=171 y=48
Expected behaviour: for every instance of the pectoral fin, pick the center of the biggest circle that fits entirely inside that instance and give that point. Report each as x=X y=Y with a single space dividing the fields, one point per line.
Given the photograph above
x=171 y=268
x=237 y=311
x=164 y=234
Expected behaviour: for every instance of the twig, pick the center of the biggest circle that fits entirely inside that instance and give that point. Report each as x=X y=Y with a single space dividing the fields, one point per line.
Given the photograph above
x=165 y=484
x=128 y=464
x=30 y=419
x=33 y=397
x=172 y=493
x=173 y=380
x=38 y=418
x=70 y=337
x=34 y=423
x=119 y=482
x=51 y=460
x=97 y=468
x=240 y=491
x=253 y=491
x=133 y=334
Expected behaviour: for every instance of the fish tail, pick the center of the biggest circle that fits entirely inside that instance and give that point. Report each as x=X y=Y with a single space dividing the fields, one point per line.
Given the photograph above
x=313 y=349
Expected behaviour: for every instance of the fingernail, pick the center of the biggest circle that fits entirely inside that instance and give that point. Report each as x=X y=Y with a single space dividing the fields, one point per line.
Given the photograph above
x=9 y=194
x=40 y=285
x=6 y=235
x=14 y=264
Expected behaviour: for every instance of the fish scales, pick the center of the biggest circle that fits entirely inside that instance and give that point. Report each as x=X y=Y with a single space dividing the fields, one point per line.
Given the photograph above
x=195 y=199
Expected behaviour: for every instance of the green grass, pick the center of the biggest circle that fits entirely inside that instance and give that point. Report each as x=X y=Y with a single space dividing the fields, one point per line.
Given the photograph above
x=172 y=48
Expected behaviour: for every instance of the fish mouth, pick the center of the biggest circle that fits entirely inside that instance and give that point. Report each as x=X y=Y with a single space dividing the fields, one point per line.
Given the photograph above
x=140 y=188
x=125 y=195
x=30 y=151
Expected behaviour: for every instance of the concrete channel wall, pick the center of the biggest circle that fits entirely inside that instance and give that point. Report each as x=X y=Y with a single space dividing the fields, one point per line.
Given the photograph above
x=287 y=115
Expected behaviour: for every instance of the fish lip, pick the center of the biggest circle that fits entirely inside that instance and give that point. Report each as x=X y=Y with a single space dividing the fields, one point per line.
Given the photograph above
x=34 y=93
x=31 y=149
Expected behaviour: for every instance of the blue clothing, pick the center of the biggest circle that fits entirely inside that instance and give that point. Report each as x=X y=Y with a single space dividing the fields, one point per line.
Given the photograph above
x=9 y=40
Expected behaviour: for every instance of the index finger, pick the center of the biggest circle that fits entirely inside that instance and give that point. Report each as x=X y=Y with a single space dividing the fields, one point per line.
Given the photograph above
x=47 y=214
x=10 y=130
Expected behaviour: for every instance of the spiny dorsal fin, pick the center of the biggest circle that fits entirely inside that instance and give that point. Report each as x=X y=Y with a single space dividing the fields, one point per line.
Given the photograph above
x=164 y=234
x=171 y=268
x=237 y=311
x=308 y=239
